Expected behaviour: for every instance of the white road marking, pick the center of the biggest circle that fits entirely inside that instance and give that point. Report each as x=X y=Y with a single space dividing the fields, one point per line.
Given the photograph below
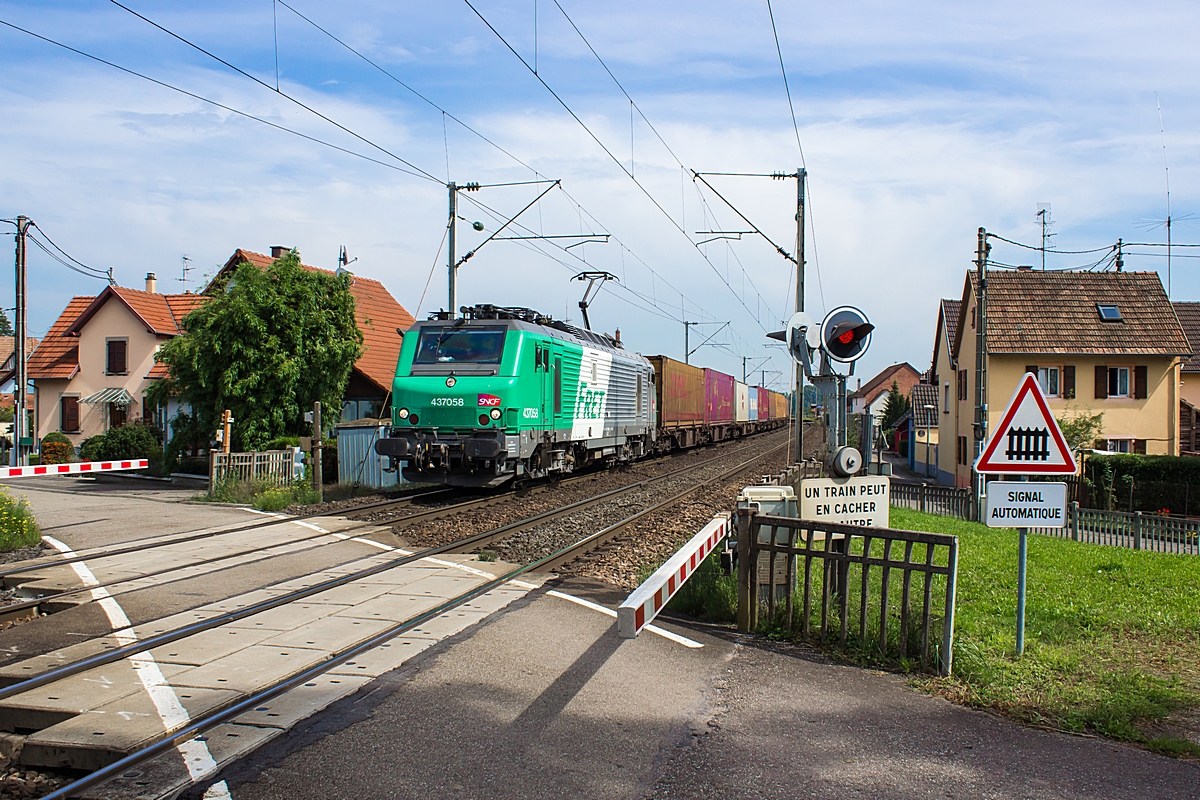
x=196 y=756
x=666 y=634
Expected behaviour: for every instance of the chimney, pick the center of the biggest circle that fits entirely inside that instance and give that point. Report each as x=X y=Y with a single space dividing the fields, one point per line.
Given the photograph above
x=618 y=337
x=151 y=283
x=1025 y=268
x=278 y=251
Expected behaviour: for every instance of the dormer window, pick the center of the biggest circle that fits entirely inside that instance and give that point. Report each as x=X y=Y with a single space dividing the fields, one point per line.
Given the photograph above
x=1109 y=313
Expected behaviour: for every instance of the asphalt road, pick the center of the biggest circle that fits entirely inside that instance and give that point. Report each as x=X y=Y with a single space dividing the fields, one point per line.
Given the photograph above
x=543 y=701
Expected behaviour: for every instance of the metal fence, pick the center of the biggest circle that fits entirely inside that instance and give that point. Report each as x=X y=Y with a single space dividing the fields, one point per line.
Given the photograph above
x=276 y=467
x=894 y=631
x=1155 y=532
x=944 y=500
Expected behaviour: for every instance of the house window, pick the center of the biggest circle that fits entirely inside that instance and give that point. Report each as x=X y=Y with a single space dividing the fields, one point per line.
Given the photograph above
x=1109 y=313
x=1048 y=378
x=1118 y=383
x=117 y=415
x=1119 y=445
x=69 y=415
x=946 y=398
x=118 y=350
x=962 y=384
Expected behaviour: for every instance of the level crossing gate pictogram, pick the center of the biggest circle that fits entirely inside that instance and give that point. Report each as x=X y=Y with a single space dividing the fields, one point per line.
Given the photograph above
x=1028 y=440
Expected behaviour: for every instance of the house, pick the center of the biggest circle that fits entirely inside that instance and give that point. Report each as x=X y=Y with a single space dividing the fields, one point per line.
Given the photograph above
x=1189 y=381
x=1099 y=342
x=923 y=429
x=91 y=371
x=381 y=319
x=872 y=396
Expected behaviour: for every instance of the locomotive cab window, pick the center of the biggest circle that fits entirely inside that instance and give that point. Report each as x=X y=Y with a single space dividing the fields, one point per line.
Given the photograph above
x=445 y=345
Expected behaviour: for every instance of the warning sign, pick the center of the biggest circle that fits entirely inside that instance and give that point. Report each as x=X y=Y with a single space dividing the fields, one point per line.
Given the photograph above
x=1028 y=440
x=862 y=500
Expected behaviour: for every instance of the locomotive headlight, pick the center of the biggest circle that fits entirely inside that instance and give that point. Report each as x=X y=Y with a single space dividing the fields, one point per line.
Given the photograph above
x=402 y=413
x=451 y=381
x=495 y=413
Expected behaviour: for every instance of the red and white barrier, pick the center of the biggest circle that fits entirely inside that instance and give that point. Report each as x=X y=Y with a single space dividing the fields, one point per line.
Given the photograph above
x=641 y=607
x=73 y=469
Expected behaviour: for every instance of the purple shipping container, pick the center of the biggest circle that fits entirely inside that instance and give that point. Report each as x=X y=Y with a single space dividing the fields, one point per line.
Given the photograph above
x=718 y=397
x=764 y=404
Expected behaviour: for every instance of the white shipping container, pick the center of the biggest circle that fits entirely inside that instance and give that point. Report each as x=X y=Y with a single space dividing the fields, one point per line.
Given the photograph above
x=741 y=402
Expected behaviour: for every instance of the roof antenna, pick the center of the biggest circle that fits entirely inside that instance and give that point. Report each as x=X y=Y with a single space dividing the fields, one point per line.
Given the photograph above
x=1167 y=174
x=1043 y=214
x=186 y=260
x=342 y=262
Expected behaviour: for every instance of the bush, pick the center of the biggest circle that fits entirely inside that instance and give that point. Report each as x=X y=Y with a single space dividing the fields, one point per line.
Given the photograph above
x=56 y=436
x=57 y=452
x=18 y=528
x=282 y=443
x=134 y=440
x=261 y=495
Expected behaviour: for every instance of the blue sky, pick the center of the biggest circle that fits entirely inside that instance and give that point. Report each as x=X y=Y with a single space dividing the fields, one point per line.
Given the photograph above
x=919 y=125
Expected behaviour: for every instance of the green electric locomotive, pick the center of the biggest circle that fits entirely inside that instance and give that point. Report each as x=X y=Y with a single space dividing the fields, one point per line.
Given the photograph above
x=504 y=394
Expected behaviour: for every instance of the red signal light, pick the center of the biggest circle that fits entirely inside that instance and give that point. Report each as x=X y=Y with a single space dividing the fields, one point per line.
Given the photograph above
x=847 y=337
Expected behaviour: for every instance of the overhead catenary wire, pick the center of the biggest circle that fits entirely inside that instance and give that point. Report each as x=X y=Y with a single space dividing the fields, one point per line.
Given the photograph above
x=612 y=156
x=423 y=173
x=210 y=102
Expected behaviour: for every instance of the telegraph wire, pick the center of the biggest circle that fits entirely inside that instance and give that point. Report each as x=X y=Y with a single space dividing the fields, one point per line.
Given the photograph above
x=283 y=94
x=213 y=103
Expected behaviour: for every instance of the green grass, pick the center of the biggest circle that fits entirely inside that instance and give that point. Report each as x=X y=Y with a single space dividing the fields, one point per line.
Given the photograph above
x=260 y=495
x=1112 y=636
x=18 y=528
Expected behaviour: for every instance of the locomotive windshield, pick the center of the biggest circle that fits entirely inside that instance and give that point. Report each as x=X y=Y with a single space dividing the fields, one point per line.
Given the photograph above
x=451 y=345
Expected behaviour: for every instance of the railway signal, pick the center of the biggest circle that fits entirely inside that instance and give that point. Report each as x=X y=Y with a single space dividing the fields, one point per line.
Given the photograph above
x=845 y=334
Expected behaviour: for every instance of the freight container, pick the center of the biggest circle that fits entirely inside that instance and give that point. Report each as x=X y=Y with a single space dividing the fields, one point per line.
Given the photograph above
x=782 y=408
x=718 y=396
x=679 y=390
x=752 y=396
x=741 y=412
x=764 y=405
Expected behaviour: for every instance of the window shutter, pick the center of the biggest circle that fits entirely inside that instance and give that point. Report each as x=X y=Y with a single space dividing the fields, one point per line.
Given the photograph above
x=1140 y=381
x=70 y=414
x=1032 y=369
x=116 y=358
x=1101 y=381
x=1139 y=445
x=1068 y=382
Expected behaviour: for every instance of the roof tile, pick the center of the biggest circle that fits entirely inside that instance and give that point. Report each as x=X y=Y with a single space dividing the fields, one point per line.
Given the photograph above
x=57 y=355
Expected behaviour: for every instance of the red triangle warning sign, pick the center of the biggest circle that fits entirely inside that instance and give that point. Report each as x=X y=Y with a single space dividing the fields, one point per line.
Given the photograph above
x=1028 y=440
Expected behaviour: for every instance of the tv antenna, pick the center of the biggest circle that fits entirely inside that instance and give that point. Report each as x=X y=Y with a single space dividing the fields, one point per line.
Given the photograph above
x=1167 y=176
x=1044 y=218
x=186 y=261
x=343 y=262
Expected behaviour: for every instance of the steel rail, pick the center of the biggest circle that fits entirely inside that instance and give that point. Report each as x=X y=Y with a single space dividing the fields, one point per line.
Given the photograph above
x=198 y=726
x=167 y=637
x=12 y=611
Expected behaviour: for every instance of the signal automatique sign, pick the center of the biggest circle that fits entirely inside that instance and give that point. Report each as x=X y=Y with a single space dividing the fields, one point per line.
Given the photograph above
x=1028 y=440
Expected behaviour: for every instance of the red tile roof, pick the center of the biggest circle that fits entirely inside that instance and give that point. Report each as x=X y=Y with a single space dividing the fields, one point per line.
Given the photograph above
x=951 y=311
x=57 y=355
x=378 y=314
x=1054 y=313
x=903 y=374
x=1189 y=318
x=162 y=314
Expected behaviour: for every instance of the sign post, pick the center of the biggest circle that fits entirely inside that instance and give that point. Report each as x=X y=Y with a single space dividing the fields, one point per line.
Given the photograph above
x=1027 y=442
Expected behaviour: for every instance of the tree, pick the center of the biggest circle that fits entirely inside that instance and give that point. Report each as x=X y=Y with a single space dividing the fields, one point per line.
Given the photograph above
x=6 y=328
x=269 y=346
x=894 y=407
x=1081 y=429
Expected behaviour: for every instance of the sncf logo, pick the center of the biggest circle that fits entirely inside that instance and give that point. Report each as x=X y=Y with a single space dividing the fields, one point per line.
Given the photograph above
x=488 y=400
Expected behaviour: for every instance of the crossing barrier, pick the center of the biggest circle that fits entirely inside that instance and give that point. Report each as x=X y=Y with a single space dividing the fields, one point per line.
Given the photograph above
x=75 y=468
x=641 y=607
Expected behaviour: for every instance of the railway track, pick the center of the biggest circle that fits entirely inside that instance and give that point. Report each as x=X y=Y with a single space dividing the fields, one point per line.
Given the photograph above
x=623 y=506
x=58 y=600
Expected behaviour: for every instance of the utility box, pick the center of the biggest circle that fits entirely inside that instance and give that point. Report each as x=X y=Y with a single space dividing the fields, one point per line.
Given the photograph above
x=358 y=463
x=777 y=501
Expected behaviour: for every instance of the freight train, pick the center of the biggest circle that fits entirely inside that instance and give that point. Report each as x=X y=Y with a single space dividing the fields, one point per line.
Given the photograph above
x=503 y=394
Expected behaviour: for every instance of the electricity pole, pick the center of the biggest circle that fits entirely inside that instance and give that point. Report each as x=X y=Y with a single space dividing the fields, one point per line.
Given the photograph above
x=20 y=421
x=451 y=262
x=798 y=434
x=980 y=427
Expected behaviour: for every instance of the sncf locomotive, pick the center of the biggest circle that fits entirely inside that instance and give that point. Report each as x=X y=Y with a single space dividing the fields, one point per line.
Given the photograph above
x=507 y=393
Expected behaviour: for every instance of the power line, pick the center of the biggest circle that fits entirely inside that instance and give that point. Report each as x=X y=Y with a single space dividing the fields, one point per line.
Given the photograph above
x=213 y=103
x=67 y=255
x=1039 y=249
x=283 y=94
x=100 y=276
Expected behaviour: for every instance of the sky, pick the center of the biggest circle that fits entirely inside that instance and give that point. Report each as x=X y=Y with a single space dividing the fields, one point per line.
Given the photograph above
x=918 y=125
